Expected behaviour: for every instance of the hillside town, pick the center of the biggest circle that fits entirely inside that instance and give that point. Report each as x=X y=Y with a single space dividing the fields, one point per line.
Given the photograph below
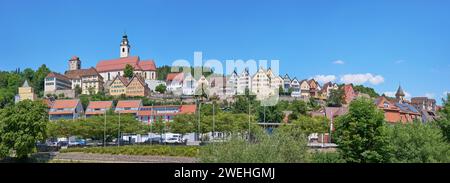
x=108 y=77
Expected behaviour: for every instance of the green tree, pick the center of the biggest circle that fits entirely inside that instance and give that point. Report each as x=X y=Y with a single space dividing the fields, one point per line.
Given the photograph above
x=269 y=114
x=336 y=98
x=128 y=71
x=163 y=71
x=418 y=143
x=183 y=124
x=39 y=78
x=444 y=121
x=21 y=126
x=78 y=90
x=361 y=134
x=161 y=88
x=298 y=108
x=367 y=90
x=308 y=125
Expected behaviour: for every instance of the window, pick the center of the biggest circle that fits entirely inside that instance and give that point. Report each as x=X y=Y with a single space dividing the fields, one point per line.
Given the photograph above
x=123 y=49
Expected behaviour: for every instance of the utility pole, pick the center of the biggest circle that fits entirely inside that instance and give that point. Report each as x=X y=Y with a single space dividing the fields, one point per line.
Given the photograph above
x=213 y=125
x=104 y=131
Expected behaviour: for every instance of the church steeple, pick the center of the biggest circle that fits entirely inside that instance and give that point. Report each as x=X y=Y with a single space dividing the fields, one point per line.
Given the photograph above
x=124 y=47
x=400 y=94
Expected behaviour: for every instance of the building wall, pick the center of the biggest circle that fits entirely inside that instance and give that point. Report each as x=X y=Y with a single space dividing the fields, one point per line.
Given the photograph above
x=117 y=88
x=26 y=93
x=53 y=84
x=392 y=116
x=135 y=88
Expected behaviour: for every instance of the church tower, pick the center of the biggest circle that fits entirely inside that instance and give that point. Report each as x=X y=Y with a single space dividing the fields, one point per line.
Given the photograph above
x=74 y=63
x=400 y=95
x=124 y=47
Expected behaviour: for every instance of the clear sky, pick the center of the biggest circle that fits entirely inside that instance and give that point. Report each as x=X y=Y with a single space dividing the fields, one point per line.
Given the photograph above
x=377 y=43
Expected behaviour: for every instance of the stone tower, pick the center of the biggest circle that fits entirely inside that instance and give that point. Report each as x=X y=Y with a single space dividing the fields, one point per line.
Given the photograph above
x=74 y=63
x=124 y=47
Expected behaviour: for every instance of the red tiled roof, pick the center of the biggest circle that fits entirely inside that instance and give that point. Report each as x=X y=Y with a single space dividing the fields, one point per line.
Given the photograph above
x=57 y=75
x=58 y=104
x=148 y=65
x=120 y=63
x=175 y=76
x=77 y=74
x=100 y=105
x=188 y=109
x=128 y=103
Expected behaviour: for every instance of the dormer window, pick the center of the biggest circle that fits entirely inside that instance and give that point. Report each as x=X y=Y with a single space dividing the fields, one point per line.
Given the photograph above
x=386 y=105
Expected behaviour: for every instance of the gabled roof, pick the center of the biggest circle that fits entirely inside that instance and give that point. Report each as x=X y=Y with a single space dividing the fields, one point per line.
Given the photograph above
x=120 y=63
x=77 y=74
x=188 y=109
x=58 y=104
x=57 y=75
x=175 y=76
x=128 y=103
x=139 y=78
x=148 y=65
x=124 y=80
x=100 y=105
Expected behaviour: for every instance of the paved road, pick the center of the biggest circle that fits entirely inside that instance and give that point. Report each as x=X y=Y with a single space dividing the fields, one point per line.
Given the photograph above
x=108 y=158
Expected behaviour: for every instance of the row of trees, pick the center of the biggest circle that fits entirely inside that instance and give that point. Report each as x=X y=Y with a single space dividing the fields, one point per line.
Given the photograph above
x=10 y=81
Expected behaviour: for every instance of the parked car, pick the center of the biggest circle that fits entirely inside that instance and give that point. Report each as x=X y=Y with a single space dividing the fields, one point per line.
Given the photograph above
x=172 y=140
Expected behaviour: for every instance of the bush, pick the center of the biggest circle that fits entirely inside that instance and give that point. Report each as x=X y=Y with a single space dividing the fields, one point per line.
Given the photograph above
x=282 y=146
x=155 y=150
x=327 y=157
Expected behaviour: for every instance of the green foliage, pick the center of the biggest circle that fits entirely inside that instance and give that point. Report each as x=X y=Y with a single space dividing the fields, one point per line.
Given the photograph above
x=128 y=71
x=418 y=143
x=298 y=108
x=367 y=90
x=161 y=88
x=327 y=157
x=309 y=125
x=361 y=134
x=444 y=121
x=183 y=124
x=153 y=150
x=162 y=72
x=269 y=114
x=282 y=146
x=38 y=80
x=93 y=127
x=336 y=98
x=21 y=126
x=78 y=90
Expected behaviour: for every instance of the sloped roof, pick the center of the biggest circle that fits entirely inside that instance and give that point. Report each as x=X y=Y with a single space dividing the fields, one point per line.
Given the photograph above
x=57 y=75
x=128 y=103
x=100 y=105
x=77 y=74
x=188 y=109
x=25 y=84
x=58 y=104
x=120 y=63
x=175 y=76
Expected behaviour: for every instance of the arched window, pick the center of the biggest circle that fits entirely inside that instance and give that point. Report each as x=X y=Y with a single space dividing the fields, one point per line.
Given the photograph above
x=123 y=49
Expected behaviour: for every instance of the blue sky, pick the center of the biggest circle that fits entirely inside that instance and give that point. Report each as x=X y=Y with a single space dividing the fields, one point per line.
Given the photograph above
x=377 y=43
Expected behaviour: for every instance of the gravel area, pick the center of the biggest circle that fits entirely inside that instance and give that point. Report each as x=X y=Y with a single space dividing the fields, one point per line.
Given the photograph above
x=109 y=158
